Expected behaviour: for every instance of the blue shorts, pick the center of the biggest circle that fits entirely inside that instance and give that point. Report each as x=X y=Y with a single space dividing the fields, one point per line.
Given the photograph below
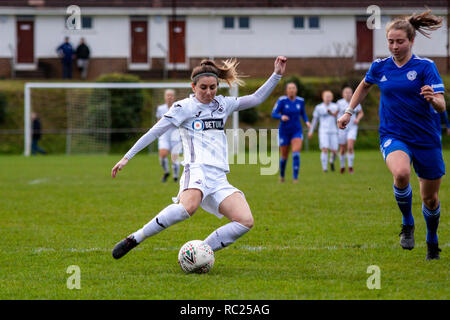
x=285 y=137
x=428 y=163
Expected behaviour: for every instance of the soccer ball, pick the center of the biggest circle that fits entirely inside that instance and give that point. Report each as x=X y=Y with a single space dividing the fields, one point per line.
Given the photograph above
x=196 y=256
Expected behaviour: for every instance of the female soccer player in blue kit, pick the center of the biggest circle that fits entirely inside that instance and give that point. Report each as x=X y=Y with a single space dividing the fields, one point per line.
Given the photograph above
x=411 y=90
x=289 y=109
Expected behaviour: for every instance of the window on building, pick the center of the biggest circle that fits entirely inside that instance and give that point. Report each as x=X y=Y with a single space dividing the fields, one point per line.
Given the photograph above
x=228 y=22
x=299 y=22
x=86 y=22
x=314 y=22
x=244 y=22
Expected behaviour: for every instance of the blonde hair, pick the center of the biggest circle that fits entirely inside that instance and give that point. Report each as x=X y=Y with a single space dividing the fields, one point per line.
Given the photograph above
x=327 y=91
x=424 y=23
x=225 y=72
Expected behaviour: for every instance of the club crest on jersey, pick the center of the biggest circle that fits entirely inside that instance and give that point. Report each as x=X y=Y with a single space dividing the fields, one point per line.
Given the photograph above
x=197 y=125
x=208 y=124
x=215 y=106
x=411 y=75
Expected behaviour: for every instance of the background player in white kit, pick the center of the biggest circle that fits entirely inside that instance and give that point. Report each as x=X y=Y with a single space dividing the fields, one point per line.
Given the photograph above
x=169 y=141
x=347 y=136
x=326 y=113
x=201 y=119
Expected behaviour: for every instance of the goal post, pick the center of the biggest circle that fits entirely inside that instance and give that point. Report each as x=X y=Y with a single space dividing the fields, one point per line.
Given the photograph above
x=94 y=123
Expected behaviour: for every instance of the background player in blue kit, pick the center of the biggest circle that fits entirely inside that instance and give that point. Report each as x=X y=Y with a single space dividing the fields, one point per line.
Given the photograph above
x=289 y=109
x=411 y=90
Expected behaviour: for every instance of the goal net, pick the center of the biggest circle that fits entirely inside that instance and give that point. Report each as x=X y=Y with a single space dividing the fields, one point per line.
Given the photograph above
x=96 y=118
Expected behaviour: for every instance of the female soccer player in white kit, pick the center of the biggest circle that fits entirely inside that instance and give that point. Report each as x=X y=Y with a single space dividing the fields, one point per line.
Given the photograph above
x=201 y=119
x=326 y=113
x=347 y=136
x=170 y=141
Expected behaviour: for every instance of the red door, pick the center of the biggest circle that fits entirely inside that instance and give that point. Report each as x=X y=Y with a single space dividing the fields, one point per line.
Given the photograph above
x=364 y=42
x=139 y=42
x=177 y=46
x=25 y=41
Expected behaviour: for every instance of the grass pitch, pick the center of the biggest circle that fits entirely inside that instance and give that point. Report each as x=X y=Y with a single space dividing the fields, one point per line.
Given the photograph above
x=313 y=240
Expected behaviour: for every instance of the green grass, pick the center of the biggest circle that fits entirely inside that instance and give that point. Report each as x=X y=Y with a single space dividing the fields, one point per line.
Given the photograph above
x=313 y=240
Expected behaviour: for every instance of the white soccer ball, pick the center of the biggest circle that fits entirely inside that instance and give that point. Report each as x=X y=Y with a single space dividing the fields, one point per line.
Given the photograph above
x=196 y=256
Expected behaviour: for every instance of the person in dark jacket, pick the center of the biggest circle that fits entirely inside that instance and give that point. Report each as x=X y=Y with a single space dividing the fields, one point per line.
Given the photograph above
x=36 y=135
x=83 y=54
x=66 y=52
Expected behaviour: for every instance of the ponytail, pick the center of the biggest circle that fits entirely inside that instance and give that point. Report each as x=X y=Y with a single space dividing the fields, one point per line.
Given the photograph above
x=226 y=72
x=424 y=23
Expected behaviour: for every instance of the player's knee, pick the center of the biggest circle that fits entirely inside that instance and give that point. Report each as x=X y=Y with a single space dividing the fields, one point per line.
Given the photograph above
x=431 y=201
x=247 y=221
x=190 y=209
x=401 y=176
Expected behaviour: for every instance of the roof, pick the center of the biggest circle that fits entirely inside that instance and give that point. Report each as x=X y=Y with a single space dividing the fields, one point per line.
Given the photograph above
x=224 y=3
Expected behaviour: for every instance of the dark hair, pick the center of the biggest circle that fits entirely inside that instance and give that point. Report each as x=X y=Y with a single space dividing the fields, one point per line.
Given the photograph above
x=290 y=82
x=226 y=72
x=423 y=23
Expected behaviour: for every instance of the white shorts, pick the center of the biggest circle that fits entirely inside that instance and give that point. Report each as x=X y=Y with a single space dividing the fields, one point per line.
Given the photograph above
x=328 y=141
x=171 y=141
x=211 y=181
x=349 y=133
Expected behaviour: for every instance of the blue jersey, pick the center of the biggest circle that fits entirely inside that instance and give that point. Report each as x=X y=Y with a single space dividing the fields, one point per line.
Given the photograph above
x=293 y=109
x=441 y=118
x=67 y=51
x=404 y=113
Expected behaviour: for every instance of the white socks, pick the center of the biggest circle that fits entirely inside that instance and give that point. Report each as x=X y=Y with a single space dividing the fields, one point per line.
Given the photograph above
x=175 y=168
x=332 y=157
x=164 y=164
x=174 y=213
x=226 y=235
x=323 y=160
x=342 y=160
x=170 y=215
x=350 y=159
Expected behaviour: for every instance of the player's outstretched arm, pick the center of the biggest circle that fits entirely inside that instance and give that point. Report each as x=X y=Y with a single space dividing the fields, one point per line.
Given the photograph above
x=156 y=131
x=266 y=89
x=359 y=95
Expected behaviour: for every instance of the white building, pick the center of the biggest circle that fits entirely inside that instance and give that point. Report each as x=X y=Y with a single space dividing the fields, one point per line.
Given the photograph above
x=147 y=37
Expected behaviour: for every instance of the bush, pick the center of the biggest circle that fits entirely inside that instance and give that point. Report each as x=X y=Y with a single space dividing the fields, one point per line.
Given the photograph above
x=249 y=116
x=126 y=104
x=3 y=103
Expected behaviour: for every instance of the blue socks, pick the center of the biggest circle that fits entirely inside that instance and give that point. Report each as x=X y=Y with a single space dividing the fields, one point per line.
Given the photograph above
x=404 y=201
x=295 y=164
x=282 y=166
x=432 y=221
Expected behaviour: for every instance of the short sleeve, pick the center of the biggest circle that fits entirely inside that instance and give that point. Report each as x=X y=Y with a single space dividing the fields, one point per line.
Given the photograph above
x=316 y=112
x=177 y=114
x=276 y=110
x=358 y=108
x=371 y=74
x=159 y=113
x=433 y=79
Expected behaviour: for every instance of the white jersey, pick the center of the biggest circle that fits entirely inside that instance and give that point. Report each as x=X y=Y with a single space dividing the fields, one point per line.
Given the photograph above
x=161 y=110
x=327 y=122
x=202 y=129
x=342 y=106
x=172 y=135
